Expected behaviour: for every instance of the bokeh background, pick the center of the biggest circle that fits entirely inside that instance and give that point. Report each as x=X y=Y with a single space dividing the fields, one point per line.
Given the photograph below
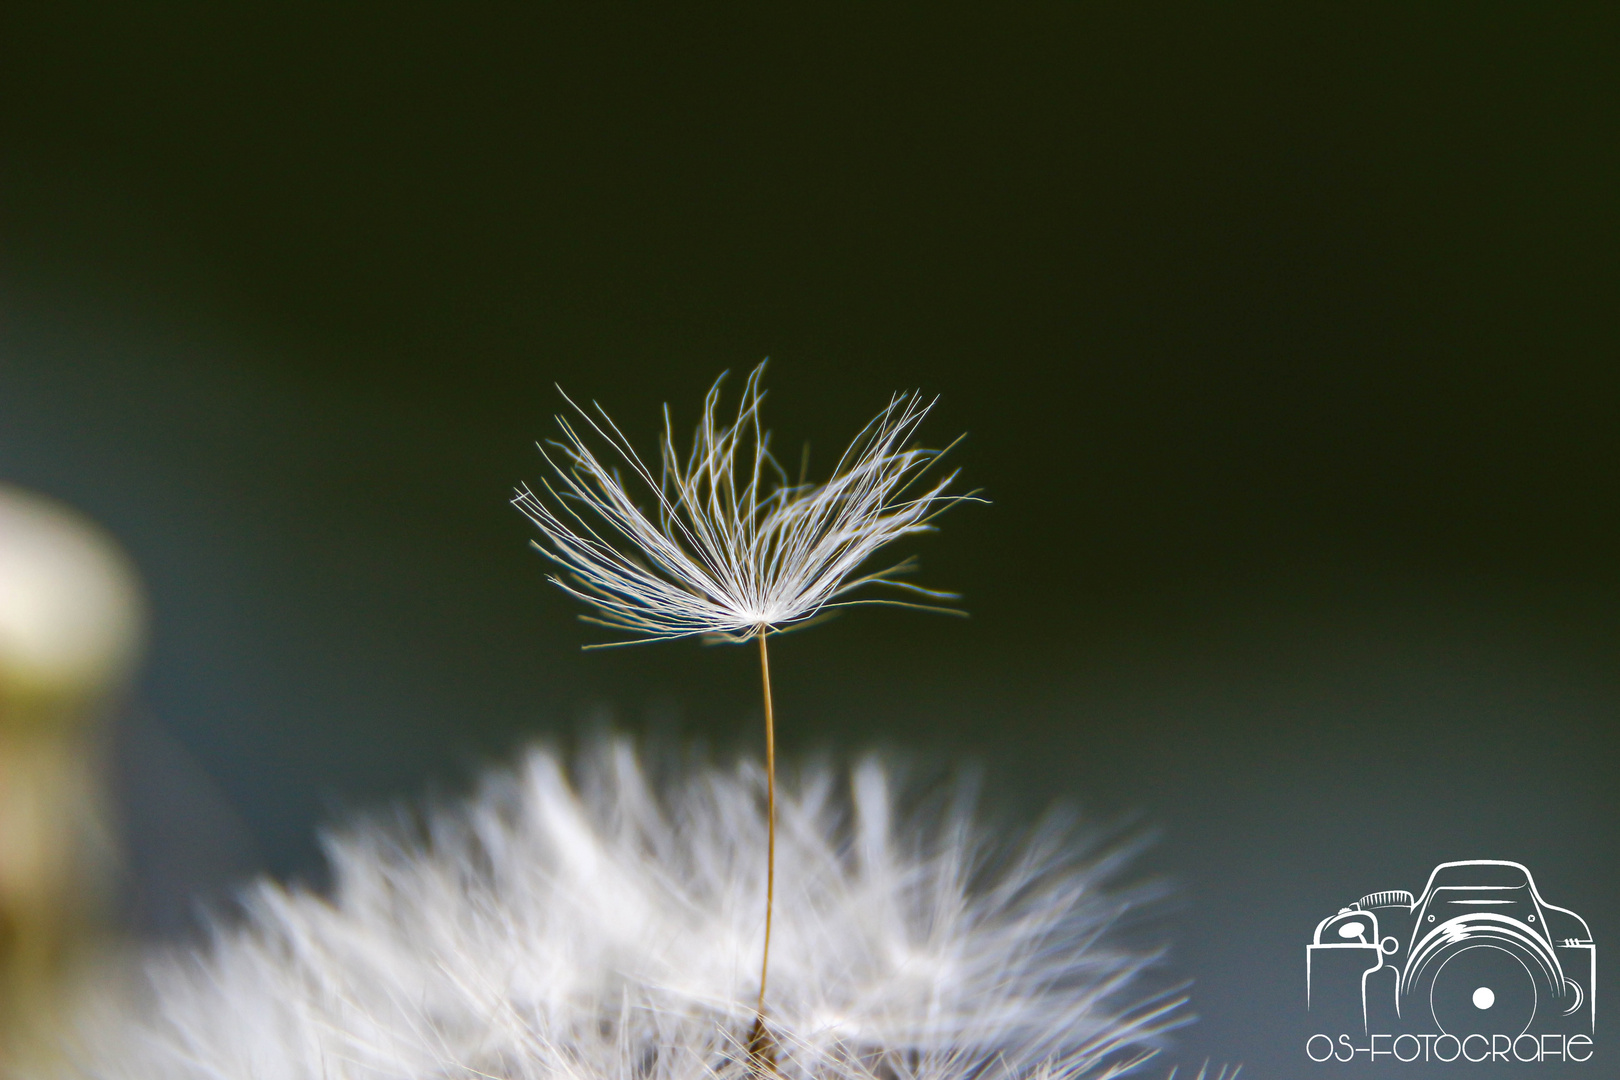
x=1284 y=339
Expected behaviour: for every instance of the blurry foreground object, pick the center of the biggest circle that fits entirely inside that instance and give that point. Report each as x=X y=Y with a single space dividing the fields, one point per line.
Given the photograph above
x=71 y=627
x=603 y=925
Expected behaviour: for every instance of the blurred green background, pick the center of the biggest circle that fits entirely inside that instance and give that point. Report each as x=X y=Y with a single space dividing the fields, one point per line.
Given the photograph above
x=1284 y=338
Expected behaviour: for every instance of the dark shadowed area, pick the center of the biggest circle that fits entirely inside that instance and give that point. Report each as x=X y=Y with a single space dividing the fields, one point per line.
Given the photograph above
x=1284 y=342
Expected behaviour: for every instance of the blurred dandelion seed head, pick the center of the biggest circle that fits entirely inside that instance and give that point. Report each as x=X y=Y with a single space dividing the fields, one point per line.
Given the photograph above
x=589 y=923
x=731 y=548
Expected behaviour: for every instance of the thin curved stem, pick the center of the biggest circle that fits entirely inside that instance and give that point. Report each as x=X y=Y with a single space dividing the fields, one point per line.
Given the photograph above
x=761 y=1047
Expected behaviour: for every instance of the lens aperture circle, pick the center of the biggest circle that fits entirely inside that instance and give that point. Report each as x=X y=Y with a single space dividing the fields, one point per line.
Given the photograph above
x=1483 y=989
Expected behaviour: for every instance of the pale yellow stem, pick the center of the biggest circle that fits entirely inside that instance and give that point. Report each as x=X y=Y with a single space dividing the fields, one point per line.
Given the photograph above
x=761 y=1047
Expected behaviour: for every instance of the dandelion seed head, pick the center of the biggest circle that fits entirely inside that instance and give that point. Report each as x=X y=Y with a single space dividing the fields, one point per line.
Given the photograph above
x=727 y=548
x=589 y=923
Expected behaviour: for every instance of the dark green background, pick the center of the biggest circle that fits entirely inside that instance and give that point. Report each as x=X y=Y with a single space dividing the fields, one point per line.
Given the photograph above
x=1284 y=340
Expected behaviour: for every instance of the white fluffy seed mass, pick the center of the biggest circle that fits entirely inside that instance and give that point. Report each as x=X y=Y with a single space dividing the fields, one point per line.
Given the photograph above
x=602 y=926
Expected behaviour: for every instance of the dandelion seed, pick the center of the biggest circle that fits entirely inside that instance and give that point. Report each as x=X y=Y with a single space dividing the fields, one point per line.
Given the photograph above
x=732 y=551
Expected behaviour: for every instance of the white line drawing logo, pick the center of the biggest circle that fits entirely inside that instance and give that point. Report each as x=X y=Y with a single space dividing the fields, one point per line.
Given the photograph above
x=1478 y=953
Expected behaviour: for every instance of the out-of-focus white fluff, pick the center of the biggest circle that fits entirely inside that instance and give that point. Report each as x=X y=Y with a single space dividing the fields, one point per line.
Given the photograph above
x=603 y=927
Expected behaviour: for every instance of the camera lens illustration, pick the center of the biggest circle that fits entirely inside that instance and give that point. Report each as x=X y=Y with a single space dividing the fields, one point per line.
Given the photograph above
x=1478 y=951
x=1473 y=980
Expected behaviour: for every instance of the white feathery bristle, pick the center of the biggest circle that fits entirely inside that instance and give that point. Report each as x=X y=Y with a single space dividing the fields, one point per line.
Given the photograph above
x=607 y=928
x=733 y=550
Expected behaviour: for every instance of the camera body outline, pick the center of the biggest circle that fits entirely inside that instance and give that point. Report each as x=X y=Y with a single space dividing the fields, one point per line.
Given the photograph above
x=1477 y=937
